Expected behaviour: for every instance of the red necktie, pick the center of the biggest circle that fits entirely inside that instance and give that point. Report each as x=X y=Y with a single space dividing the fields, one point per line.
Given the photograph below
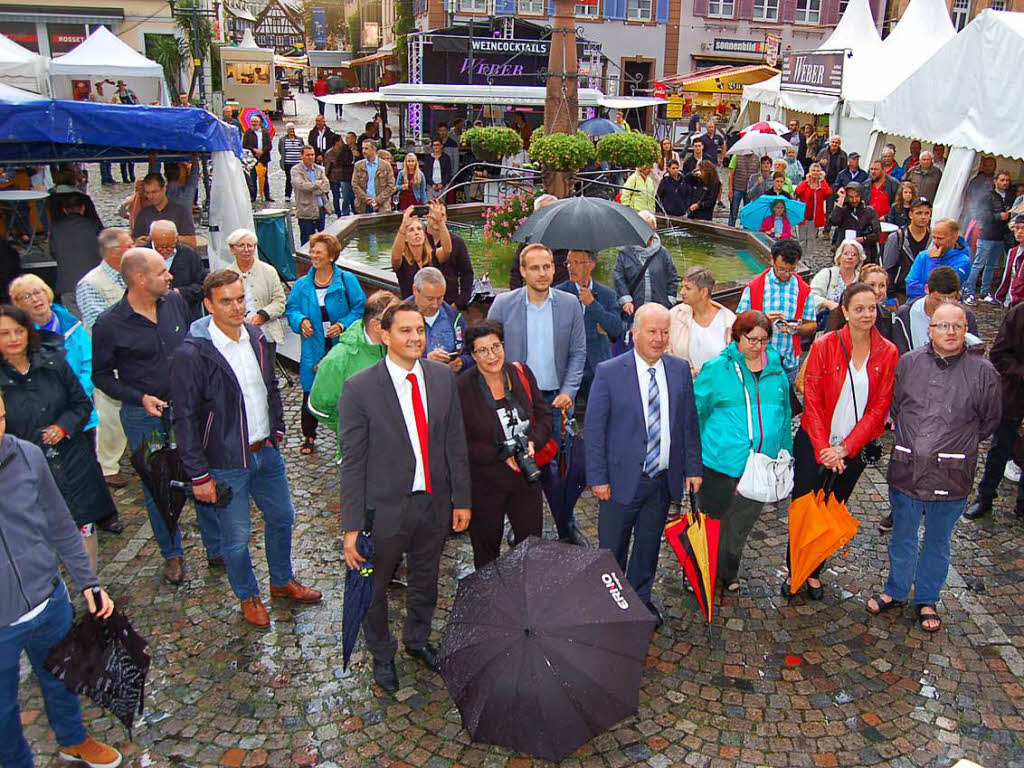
x=421 y=427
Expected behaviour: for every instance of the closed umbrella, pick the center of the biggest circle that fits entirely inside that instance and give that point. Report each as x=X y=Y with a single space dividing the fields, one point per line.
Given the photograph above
x=758 y=144
x=358 y=591
x=819 y=526
x=756 y=210
x=600 y=126
x=584 y=223
x=564 y=486
x=545 y=648
x=157 y=463
x=694 y=538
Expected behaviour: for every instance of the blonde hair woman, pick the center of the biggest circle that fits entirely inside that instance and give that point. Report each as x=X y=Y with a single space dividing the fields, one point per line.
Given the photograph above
x=411 y=183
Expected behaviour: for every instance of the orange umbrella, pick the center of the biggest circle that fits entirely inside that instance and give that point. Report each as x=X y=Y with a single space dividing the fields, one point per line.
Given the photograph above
x=819 y=526
x=694 y=538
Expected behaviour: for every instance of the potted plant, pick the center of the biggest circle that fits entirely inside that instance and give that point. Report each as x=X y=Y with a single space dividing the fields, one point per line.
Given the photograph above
x=503 y=219
x=628 y=150
x=559 y=156
x=490 y=144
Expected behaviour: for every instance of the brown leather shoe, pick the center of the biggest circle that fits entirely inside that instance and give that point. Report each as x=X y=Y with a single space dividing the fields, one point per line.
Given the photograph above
x=298 y=592
x=254 y=613
x=174 y=570
x=116 y=480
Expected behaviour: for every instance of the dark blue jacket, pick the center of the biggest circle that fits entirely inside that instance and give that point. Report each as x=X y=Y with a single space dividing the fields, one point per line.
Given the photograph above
x=458 y=323
x=209 y=413
x=617 y=433
x=604 y=311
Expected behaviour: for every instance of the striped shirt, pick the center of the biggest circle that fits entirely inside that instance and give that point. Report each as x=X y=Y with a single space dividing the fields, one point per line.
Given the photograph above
x=291 y=150
x=91 y=302
x=781 y=297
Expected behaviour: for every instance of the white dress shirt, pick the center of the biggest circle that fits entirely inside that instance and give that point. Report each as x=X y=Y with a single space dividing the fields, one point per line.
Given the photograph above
x=403 y=388
x=645 y=378
x=246 y=367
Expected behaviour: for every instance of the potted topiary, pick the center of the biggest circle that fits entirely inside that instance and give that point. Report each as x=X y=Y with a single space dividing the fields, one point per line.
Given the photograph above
x=628 y=150
x=559 y=156
x=492 y=143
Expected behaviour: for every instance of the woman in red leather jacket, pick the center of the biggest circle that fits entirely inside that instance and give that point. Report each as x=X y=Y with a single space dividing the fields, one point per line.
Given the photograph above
x=847 y=391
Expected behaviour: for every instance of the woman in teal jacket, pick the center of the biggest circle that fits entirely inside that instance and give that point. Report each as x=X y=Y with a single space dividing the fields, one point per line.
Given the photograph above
x=322 y=304
x=725 y=441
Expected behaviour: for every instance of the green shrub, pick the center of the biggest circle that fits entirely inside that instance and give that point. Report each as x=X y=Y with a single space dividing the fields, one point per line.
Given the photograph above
x=561 y=151
x=628 y=150
x=493 y=140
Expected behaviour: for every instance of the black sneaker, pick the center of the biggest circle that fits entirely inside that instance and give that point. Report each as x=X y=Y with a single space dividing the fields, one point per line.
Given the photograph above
x=978 y=509
x=885 y=524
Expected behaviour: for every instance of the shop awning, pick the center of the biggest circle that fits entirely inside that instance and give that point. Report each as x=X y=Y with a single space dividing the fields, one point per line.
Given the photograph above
x=328 y=58
x=378 y=56
x=290 y=62
x=497 y=95
x=720 y=79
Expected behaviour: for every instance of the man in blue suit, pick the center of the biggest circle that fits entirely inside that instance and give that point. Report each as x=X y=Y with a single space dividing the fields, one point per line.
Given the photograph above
x=602 y=317
x=544 y=329
x=643 y=438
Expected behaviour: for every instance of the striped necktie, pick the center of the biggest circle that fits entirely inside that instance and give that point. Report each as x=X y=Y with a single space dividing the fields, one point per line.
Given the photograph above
x=653 y=425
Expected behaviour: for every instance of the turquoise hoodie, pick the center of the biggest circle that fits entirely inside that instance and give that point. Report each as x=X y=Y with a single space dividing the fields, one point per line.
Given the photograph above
x=78 y=352
x=722 y=410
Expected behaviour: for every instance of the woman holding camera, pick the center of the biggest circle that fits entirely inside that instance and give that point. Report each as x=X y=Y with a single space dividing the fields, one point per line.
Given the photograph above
x=847 y=391
x=506 y=420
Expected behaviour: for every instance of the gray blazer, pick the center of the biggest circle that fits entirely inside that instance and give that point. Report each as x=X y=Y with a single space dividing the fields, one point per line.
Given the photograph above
x=379 y=461
x=570 y=334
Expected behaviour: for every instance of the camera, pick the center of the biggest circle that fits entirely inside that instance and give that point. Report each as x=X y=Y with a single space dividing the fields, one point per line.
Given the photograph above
x=871 y=453
x=518 y=446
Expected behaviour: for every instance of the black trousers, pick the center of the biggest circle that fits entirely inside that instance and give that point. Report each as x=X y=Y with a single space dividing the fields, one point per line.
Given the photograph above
x=309 y=421
x=995 y=463
x=420 y=539
x=643 y=521
x=495 y=497
x=737 y=514
x=810 y=476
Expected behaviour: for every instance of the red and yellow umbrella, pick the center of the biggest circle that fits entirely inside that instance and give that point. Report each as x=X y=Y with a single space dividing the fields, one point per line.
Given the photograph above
x=694 y=538
x=246 y=115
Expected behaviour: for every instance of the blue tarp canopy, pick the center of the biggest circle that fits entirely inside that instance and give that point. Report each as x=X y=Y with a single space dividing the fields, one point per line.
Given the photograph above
x=41 y=130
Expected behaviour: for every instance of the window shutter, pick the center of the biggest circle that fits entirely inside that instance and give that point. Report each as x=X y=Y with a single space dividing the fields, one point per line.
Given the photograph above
x=745 y=9
x=551 y=7
x=700 y=7
x=787 y=13
x=615 y=9
x=505 y=7
x=830 y=12
x=661 y=11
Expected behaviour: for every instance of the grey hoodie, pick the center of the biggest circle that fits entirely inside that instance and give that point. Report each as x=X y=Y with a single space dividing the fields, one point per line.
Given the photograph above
x=35 y=530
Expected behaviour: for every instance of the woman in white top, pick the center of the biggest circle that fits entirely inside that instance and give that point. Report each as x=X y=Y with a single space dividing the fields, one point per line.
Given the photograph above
x=700 y=328
x=830 y=282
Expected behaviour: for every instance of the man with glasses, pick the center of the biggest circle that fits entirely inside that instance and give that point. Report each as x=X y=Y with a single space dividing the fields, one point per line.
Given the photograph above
x=797 y=139
x=945 y=401
x=186 y=268
x=911 y=321
x=787 y=300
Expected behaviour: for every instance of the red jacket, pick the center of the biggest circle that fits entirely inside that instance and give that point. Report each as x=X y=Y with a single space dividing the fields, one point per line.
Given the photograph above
x=824 y=379
x=1013 y=277
x=320 y=87
x=768 y=225
x=813 y=200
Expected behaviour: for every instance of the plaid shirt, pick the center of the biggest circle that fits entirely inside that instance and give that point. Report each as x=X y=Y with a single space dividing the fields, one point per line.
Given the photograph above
x=781 y=297
x=91 y=303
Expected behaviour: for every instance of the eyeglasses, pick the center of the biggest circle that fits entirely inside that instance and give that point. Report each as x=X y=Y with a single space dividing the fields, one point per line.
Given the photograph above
x=492 y=351
x=756 y=341
x=947 y=327
x=34 y=293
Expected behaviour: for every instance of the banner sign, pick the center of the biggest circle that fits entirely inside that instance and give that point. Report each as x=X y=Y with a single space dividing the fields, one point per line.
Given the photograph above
x=813 y=71
x=729 y=45
x=320 y=27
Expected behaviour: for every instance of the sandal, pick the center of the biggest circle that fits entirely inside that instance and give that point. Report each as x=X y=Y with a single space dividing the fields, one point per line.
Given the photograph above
x=883 y=605
x=923 y=617
x=308 y=447
x=732 y=586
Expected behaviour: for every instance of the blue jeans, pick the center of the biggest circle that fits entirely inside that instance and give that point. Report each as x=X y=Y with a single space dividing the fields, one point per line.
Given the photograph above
x=348 y=198
x=138 y=426
x=309 y=227
x=127 y=172
x=927 y=570
x=266 y=480
x=986 y=258
x=739 y=196
x=107 y=173
x=37 y=637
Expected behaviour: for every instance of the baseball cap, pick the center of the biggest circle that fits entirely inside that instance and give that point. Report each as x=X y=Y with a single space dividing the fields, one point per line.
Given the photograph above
x=854 y=155
x=919 y=202
x=1018 y=219
x=853 y=185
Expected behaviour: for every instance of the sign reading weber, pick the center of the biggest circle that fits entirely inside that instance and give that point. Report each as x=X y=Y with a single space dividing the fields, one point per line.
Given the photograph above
x=816 y=71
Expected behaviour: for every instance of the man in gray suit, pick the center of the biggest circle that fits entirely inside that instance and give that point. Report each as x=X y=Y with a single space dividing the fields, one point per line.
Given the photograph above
x=406 y=462
x=544 y=328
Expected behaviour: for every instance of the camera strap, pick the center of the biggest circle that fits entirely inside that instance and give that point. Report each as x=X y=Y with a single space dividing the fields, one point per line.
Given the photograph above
x=849 y=373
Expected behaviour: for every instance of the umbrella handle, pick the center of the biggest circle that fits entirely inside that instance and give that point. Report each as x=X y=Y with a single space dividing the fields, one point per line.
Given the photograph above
x=829 y=483
x=693 y=504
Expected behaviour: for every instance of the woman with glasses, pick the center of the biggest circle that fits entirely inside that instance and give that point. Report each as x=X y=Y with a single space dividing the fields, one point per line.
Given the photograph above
x=506 y=419
x=847 y=391
x=748 y=371
x=264 y=293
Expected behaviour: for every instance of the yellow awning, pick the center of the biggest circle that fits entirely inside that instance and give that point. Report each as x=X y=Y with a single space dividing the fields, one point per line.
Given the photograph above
x=720 y=79
x=367 y=59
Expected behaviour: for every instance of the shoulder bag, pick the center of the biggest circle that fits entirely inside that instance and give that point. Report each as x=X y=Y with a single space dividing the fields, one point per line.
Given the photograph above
x=545 y=453
x=764 y=478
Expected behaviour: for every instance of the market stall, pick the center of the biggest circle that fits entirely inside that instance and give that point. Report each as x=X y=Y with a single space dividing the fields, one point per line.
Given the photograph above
x=93 y=67
x=21 y=68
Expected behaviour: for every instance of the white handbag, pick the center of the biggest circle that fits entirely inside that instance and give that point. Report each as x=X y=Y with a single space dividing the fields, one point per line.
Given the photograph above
x=764 y=478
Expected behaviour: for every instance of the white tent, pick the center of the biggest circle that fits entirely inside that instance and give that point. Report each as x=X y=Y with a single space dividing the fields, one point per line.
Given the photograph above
x=22 y=68
x=103 y=56
x=959 y=99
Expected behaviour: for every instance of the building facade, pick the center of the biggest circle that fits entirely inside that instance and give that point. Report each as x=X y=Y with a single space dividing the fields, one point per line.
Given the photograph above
x=279 y=26
x=960 y=11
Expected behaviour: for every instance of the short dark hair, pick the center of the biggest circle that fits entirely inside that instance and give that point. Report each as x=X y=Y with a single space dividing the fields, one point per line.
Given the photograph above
x=673 y=162
x=172 y=171
x=747 y=321
x=765 y=159
x=442 y=125
x=159 y=179
x=389 y=314
x=788 y=249
x=376 y=303
x=481 y=328
x=943 y=280
x=778 y=175
x=21 y=317
x=370 y=125
x=218 y=279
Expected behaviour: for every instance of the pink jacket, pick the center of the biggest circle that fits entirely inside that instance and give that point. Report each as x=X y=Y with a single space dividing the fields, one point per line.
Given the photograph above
x=768 y=225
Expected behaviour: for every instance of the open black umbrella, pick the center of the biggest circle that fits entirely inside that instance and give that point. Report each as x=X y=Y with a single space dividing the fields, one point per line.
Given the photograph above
x=545 y=648
x=358 y=591
x=106 y=660
x=157 y=462
x=564 y=485
x=584 y=223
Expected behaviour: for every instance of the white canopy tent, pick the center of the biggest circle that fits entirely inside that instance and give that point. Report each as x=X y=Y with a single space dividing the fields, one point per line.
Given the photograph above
x=21 y=68
x=102 y=56
x=499 y=95
x=959 y=99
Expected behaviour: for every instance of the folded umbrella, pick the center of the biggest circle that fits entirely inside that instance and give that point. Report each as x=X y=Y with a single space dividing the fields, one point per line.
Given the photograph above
x=545 y=648
x=157 y=463
x=358 y=591
x=694 y=538
x=819 y=526
x=755 y=212
x=106 y=660
x=586 y=224
x=564 y=486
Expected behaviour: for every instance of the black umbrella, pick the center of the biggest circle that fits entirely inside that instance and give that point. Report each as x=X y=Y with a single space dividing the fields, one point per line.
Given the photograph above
x=106 y=660
x=157 y=462
x=564 y=485
x=584 y=223
x=545 y=648
x=358 y=591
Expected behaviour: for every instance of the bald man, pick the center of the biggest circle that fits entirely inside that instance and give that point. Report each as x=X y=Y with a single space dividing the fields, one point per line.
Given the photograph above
x=186 y=268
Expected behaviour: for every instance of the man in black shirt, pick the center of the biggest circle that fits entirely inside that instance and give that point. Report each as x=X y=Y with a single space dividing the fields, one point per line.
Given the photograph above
x=159 y=206
x=456 y=267
x=132 y=346
x=186 y=268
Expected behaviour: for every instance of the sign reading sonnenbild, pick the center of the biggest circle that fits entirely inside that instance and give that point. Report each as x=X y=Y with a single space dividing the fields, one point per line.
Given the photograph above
x=814 y=71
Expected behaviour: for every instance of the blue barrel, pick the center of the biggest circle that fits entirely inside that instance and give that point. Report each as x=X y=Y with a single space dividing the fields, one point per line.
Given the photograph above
x=276 y=241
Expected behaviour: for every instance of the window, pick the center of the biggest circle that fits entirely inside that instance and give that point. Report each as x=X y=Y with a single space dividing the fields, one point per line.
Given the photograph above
x=808 y=11
x=589 y=10
x=722 y=9
x=639 y=10
x=766 y=10
x=842 y=7
x=961 y=13
x=473 y=6
x=997 y=5
x=531 y=7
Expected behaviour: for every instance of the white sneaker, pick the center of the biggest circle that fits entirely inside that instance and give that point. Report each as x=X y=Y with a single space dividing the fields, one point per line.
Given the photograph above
x=1012 y=471
x=970 y=301
x=991 y=299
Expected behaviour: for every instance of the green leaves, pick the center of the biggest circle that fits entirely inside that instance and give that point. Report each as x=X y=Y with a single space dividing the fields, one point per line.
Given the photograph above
x=494 y=140
x=561 y=151
x=628 y=150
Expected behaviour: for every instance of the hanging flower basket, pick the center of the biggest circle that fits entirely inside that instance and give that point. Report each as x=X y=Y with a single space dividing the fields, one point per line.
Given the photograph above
x=492 y=143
